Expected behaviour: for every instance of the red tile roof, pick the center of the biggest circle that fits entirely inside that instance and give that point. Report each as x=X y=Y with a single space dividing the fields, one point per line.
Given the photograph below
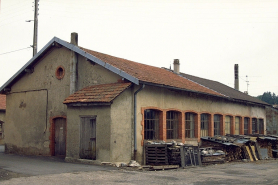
x=150 y=74
x=2 y=102
x=104 y=93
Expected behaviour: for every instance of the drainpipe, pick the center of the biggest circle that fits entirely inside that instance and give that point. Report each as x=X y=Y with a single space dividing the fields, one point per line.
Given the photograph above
x=135 y=118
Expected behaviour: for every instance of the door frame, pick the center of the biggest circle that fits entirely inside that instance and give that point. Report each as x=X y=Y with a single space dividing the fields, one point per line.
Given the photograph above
x=52 y=133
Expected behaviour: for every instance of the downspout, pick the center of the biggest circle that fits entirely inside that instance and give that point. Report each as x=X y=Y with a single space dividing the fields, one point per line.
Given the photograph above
x=135 y=118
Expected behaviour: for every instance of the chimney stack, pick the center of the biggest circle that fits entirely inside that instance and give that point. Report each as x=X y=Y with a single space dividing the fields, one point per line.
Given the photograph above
x=236 y=77
x=73 y=64
x=177 y=66
x=74 y=38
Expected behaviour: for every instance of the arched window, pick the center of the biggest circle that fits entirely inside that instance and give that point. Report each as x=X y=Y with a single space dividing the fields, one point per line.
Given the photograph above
x=254 y=126
x=227 y=124
x=190 y=119
x=172 y=124
x=151 y=124
x=204 y=124
x=217 y=122
x=246 y=121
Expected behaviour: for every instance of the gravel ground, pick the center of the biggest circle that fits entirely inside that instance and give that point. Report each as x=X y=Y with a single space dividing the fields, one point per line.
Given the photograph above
x=260 y=172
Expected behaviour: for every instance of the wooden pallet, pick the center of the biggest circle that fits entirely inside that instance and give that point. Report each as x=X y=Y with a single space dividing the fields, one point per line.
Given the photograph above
x=156 y=154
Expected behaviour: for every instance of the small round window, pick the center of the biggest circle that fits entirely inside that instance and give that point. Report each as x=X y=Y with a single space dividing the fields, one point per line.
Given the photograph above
x=60 y=72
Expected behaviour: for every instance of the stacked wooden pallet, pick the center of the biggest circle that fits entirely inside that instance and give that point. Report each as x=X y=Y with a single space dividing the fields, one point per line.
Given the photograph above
x=156 y=154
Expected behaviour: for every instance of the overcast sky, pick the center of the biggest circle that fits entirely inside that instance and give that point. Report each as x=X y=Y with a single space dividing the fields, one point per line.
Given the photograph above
x=208 y=36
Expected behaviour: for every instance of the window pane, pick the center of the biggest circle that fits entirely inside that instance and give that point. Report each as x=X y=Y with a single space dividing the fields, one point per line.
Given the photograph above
x=204 y=125
x=151 y=124
x=172 y=125
x=237 y=125
x=189 y=125
x=227 y=124
x=217 y=124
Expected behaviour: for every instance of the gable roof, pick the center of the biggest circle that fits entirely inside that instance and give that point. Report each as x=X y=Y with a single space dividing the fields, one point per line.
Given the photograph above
x=2 y=102
x=152 y=75
x=132 y=71
x=104 y=93
x=140 y=73
x=223 y=89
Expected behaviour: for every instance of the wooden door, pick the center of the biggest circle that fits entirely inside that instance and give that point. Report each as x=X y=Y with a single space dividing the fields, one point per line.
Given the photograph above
x=60 y=136
x=88 y=138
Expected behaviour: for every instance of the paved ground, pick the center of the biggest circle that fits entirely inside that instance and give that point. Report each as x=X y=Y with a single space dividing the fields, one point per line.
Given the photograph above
x=47 y=170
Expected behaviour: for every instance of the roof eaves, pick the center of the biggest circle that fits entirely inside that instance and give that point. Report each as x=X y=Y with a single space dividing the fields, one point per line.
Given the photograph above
x=49 y=44
x=180 y=89
x=90 y=104
x=205 y=86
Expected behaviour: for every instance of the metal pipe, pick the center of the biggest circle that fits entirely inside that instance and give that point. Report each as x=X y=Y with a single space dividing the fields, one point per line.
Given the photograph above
x=135 y=122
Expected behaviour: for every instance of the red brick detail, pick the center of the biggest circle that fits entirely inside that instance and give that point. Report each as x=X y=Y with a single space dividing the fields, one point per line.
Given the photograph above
x=222 y=125
x=211 y=126
x=143 y=123
x=241 y=125
x=198 y=126
x=52 y=133
x=250 y=126
x=232 y=129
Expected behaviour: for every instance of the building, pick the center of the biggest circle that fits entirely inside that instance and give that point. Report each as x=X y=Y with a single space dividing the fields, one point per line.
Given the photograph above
x=2 y=117
x=74 y=102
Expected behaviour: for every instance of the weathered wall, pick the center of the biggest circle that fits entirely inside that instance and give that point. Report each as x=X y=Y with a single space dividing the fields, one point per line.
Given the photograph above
x=272 y=121
x=103 y=130
x=165 y=99
x=92 y=74
x=121 y=127
x=33 y=99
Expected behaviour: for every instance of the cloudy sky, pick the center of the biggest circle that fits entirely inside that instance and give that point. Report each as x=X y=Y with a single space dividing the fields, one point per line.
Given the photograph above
x=208 y=36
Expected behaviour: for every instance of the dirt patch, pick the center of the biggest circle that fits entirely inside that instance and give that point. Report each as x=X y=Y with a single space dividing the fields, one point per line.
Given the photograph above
x=6 y=175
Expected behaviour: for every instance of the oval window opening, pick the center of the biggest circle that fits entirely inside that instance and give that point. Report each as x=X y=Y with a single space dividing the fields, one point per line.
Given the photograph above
x=60 y=72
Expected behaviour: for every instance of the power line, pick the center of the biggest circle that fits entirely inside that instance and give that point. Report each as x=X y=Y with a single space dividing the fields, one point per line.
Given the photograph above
x=15 y=50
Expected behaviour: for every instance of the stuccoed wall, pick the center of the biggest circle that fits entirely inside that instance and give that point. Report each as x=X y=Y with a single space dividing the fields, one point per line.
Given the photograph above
x=33 y=99
x=121 y=127
x=93 y=74
x=103 y=131
x=165 y=99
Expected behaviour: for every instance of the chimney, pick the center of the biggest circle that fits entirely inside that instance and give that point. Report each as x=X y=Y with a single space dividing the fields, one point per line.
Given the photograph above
x=236 y=77
x=177 y=66
x=74 y=38
x=73 y=64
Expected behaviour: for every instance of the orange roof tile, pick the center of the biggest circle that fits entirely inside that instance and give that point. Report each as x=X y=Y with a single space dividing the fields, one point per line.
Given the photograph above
x=150 y=74
x=104 y=93
x=2 y=102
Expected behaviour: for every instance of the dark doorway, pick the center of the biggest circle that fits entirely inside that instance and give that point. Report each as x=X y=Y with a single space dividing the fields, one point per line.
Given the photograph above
x=88 y=138
x=60 y=136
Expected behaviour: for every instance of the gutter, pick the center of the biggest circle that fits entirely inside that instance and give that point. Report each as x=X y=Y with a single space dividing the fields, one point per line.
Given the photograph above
x=135 y=118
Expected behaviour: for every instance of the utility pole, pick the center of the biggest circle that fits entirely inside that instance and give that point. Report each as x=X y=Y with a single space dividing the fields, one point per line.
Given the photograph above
x=35 y=38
